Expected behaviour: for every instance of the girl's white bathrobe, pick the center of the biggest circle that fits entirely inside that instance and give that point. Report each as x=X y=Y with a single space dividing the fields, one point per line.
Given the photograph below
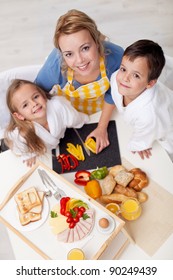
x=150 y=115
x=60 y=115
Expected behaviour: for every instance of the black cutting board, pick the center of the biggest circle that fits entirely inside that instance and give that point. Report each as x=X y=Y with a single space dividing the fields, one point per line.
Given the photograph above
x=110 y=156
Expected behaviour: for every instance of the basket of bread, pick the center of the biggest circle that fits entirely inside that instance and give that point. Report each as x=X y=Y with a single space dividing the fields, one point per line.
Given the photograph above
x=29 y=205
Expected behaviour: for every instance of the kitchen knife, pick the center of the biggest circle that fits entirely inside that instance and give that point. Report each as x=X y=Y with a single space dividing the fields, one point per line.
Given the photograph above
x=83 y=144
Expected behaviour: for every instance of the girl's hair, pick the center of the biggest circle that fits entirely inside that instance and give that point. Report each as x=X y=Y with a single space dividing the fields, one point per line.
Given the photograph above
x=74 y=21
x=152 y=52
x=25 y=127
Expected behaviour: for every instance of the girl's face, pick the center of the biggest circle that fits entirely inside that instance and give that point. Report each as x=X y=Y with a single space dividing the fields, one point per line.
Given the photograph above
x=29 y=103
x=80 y=52
x=132 y=77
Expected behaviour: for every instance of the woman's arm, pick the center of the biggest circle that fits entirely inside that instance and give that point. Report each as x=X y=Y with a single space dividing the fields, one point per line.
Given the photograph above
x=100 y=133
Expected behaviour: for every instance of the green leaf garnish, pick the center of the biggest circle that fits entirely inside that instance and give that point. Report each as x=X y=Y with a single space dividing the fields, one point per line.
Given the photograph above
x=53 y=214
x=85 y=216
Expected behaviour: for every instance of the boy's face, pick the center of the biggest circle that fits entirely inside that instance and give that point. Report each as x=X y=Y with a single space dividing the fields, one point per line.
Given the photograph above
x=132 y=77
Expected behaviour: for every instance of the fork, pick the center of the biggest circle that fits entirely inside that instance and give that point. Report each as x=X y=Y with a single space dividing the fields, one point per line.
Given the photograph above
x=56 y=191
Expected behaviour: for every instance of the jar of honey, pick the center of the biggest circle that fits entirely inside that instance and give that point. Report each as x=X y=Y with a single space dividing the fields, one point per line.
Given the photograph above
x=130 y=209
x=75 y=254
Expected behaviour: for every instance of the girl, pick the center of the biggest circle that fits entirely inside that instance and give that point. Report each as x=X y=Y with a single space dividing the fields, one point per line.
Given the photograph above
x=38 y=121
x=81 y=65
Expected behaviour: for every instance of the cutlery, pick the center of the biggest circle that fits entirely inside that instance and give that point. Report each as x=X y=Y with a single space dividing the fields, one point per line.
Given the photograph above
x=56 y=191
x=83 y=144
x=47 y=192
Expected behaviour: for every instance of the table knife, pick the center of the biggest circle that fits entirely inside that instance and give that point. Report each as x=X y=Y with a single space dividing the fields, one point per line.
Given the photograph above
x=83 y=144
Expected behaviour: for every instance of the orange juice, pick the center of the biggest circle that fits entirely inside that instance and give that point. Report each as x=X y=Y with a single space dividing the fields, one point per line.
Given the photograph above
x=75 y=254
x=130 y=209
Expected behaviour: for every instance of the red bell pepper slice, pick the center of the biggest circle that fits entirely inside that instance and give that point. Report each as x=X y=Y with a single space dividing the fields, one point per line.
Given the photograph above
x=67 y=162
x=63 y=203
x=82 y=177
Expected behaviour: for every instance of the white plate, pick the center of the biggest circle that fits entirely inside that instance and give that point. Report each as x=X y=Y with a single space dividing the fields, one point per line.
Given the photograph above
x=33 y=225
x=111 y=226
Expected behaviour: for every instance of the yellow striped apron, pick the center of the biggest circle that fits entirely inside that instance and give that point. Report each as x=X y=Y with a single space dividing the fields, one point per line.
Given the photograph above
x=87 y=98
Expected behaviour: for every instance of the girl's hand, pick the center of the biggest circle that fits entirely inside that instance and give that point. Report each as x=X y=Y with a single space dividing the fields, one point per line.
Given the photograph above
x=31 y=161
x=101 y=137
x=144 y=154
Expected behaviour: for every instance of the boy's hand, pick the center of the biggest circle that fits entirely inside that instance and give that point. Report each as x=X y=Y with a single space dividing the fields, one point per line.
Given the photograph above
x=31 y=161
x=101 y=137
x=144 y=154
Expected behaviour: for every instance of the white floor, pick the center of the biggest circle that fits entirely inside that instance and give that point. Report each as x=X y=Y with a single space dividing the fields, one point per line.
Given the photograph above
x=27 y=28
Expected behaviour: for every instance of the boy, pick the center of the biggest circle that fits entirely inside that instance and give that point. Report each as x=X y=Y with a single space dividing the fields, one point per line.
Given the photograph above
x=147 y=105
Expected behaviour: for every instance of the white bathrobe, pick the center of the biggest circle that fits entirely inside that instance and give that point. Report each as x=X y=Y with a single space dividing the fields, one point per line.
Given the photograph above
x=150 y=115
x=60 y=115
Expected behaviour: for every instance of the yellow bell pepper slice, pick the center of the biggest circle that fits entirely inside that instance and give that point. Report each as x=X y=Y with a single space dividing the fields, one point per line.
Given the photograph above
x=76 y=151
x=91 y=145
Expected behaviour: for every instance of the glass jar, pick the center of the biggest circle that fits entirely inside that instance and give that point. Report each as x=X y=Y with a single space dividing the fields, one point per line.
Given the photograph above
x=75 y=254
x=130 y=209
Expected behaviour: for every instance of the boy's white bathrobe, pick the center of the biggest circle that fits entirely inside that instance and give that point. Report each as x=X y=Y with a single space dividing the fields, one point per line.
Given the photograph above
x=60 y=115
x=150 y=115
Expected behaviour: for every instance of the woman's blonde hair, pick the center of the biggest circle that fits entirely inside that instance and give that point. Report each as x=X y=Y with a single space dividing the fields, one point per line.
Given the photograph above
x=25 y=127
x=74 y=21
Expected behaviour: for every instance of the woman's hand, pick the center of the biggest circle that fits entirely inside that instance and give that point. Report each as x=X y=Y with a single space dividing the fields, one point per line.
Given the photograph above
x=31 y=161
x=101 y=137
x=144 y=154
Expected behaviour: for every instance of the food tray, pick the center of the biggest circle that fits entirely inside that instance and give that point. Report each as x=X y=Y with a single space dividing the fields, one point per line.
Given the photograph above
x=40 y=237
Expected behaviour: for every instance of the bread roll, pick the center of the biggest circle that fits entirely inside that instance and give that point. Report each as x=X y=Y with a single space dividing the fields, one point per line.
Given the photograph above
x=142 y=197
x=114 y=197
x=140 y=179
x=123 y=178
x=125 y=190
x=108 y=184
x=115 y=169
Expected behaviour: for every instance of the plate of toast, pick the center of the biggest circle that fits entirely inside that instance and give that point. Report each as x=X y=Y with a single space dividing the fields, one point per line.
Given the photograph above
x=31 y=209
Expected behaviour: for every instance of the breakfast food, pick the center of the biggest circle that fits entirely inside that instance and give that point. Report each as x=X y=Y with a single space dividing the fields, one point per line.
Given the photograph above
x=108 y=184
x=142 y=197
x=103 y=223
x=123 y=178
x=140 y=179
x=72 y=220
x=125 y=190
x=113 y=197
x=115 y=169
x=29 y=205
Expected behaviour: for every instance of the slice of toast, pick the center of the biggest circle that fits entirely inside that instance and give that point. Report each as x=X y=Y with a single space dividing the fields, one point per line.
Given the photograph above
x=29 y=217
x=38 y=209
x=27 y=199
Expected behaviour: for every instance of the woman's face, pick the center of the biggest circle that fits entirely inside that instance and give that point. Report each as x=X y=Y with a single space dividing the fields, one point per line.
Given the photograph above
x=80 y=52
x=29 y=103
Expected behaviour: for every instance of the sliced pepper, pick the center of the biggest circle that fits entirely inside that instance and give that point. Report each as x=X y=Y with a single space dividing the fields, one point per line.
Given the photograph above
x=91 y=145
x=67 y=162
x=82 y=177
x=63 y=202
x=75 y=151
x=99 y=173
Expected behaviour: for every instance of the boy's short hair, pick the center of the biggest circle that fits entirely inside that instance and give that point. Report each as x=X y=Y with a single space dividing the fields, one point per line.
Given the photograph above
x=152 y=52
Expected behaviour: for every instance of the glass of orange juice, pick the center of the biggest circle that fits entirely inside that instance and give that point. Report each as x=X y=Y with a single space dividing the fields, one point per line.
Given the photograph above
x=75 y=254
x=130 y=209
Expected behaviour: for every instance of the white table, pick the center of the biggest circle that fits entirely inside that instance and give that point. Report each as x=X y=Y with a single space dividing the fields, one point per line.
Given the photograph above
x=159 y=167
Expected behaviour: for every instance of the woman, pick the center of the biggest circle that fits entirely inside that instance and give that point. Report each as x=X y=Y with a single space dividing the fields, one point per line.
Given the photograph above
x=81 y=65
